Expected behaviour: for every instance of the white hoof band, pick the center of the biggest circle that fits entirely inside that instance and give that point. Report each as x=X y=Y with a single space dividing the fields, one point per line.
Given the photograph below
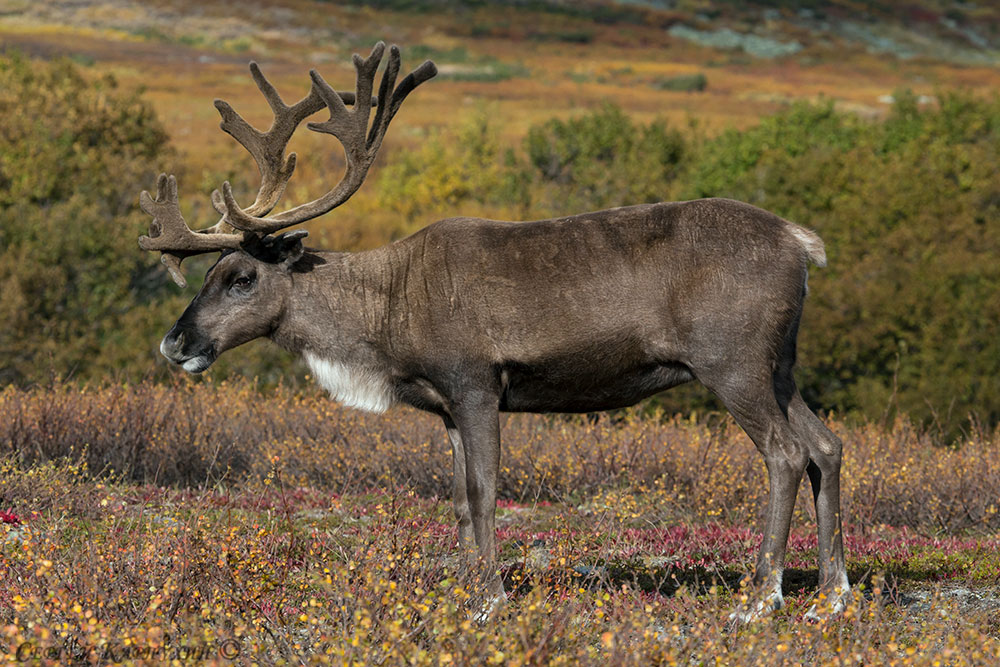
x=833 y=606
x=489 y=607
x=743 y=615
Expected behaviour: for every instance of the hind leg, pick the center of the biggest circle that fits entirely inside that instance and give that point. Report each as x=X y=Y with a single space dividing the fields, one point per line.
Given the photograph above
x=824 y=474
x=754 y=405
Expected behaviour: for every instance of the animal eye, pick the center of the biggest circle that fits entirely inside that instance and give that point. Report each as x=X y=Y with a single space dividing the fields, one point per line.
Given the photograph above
x=243 y=282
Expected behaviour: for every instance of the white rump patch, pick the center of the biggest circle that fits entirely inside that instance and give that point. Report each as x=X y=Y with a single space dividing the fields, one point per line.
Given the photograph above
x=352 y=386
x=812 y=243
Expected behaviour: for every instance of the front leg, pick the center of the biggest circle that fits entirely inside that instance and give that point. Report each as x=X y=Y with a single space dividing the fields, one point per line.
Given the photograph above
x=459 y=497
x=477 y=418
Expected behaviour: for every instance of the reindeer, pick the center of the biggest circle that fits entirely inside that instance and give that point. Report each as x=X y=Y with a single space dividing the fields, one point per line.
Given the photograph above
x=468 y=317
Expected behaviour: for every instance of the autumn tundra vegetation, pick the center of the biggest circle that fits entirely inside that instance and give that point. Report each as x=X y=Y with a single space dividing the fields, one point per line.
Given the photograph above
x=164 y=517
x=144 y=515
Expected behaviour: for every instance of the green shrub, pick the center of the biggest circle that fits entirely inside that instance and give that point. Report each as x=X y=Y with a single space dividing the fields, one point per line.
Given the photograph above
x=76 y=296
x=600 y=159
x=456 y=171
x=905 y=317
x=579 y=36
x=683 y=83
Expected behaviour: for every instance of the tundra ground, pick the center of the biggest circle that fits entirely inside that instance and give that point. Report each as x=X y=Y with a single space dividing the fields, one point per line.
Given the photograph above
x=320 y=535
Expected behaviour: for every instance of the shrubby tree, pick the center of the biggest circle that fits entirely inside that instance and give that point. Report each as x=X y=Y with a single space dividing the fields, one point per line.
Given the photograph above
x=594 y=160
x=601 y=159
x=906 y=315
x=454 y=171
x=76 y=297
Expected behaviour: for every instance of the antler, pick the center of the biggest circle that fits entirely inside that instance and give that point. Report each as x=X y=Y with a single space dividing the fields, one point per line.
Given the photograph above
x=350 y=127
x=170 y=234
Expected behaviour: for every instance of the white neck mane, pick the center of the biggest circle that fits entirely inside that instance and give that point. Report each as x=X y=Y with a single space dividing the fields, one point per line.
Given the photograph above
x=353 y=386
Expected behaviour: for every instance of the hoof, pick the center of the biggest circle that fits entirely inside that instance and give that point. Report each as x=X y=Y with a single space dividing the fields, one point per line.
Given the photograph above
x=750 y=610
x=829 y=606
x=490 y=606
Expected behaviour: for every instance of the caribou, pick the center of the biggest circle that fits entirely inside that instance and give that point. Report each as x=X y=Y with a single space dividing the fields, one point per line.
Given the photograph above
x=468 y=317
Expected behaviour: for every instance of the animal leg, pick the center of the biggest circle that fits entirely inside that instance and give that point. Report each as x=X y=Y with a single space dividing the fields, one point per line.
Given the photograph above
x=459 y=497
x=478 y=420
x=754 y=406
x=824 y=474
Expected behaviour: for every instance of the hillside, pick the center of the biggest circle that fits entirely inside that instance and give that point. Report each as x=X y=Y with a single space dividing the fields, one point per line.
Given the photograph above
x=529 y=58
x=873 y=123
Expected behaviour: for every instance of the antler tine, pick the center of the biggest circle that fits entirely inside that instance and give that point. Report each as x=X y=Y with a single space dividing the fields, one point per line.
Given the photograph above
x=384 y=89
x=367 y=69
x=350 y=127
x=427 y=70
x=170 y=234
x=268 y=148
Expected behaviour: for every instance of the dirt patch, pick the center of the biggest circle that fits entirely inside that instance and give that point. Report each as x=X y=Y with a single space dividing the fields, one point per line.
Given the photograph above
x=984 y=599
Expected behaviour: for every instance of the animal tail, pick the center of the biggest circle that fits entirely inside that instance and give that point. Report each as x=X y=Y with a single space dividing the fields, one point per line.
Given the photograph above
x=811 y=243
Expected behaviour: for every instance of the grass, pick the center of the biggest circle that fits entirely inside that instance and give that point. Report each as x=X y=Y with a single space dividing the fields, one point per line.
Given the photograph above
x=282 y=573
x=202 y=518
x=194 y=434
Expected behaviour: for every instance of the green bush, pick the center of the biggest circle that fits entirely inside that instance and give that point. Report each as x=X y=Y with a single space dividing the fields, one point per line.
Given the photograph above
x=601 y=159
x=77 y=297
x=683 y=83
x=75 y=293
x=905 y=317
x=457 y=171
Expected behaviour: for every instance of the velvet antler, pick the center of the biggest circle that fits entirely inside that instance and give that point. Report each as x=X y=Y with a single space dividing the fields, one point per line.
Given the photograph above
x=170 y=234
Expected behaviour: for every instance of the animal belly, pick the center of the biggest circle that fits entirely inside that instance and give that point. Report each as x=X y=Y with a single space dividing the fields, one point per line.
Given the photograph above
x=534 y=389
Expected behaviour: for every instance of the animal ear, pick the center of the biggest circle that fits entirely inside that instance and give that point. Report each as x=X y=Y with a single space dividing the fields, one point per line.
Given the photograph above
x=289 y=247
x=283 y=249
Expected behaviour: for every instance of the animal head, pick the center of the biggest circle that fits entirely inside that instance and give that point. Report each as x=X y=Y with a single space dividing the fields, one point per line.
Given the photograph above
x=244 y=297
x=245 y=293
